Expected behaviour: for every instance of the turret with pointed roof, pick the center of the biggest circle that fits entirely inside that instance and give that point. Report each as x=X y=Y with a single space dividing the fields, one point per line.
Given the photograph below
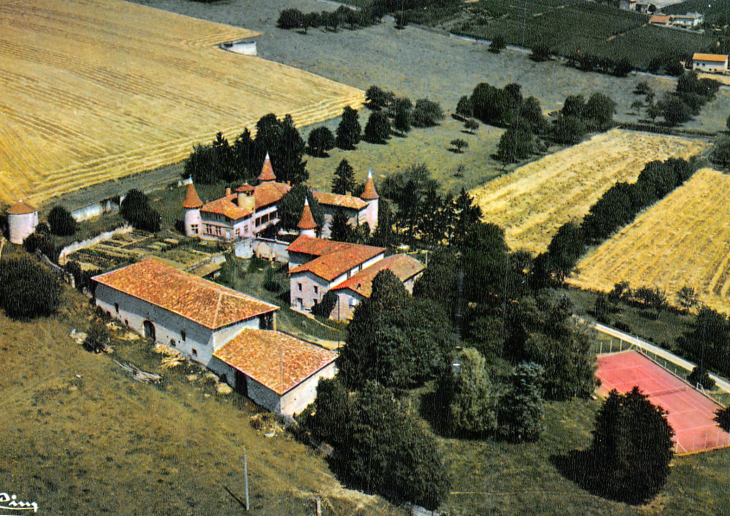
x=191 y=205
x=267 y=171
x=370 y=196
x=307 y=226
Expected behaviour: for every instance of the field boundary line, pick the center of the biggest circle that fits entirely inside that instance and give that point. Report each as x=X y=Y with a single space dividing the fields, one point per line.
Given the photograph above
x=723 y=384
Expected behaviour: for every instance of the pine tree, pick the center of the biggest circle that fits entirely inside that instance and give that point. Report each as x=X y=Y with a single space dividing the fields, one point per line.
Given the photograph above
x=473 y=406
x=349 y=130
x=340 y=230
x=377 y=129
x=523 y=405
x=344 y=179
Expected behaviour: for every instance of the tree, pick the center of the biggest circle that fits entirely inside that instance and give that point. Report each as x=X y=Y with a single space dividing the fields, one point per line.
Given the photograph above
x=674 y=111
x=566 y=247
x=497 y=44
x=325 y=306
x=377 y=129
x=687 y=298
x=540 y=53
x=473 y=404
x=720 y=153
x=290 y=19
x=292 y=204
x=320 y=141
x=520 y=418
x=384 y=236
x=402 y=119
x=387 y=451
x=623 y=67
x=709 y=340
x=27 y=289
x=349 y=130
x=135 y=208
x=569 y=130
x=637 y=106
x=426 y=113
x=464 y=107
x=459 y=144
x=61 y=221
x=574 y=105
x=600 y=109
x=653 y=111
x=632 y=446
x=245 y=158
x=377 y=98
x=722 y=417
x=199 y=165
x=517 y=143
x=328 y=418
x=343 y=181
x=289 y=162
x=440 y=281
x=340 y=229
x=642 y=88
x=310 y=20
x=97 y=336
x=471 y=125
x=699 y=377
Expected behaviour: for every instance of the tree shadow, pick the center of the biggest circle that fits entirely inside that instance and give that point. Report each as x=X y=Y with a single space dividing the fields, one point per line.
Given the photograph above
x=434 y=410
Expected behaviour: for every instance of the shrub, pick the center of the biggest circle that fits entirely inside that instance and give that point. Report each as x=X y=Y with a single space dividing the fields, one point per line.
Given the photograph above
x=698 y=377
x=523 y=407
x=97 y=336
x=43 y=242
x=320 y=141
x=465 y=107
x=28 y=289
x=377 y=129
x=61 y=221
x=473 y=398
x=497 y=45
x=378 y=98
x=427 y=113
x=290 y=19
x=326 y=305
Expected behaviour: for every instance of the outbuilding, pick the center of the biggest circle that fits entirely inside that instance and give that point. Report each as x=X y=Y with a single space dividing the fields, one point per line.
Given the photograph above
x=712 y=63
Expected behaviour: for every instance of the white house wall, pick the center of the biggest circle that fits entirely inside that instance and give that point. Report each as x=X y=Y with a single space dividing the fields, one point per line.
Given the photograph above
x=308 y=281
x=297 y=399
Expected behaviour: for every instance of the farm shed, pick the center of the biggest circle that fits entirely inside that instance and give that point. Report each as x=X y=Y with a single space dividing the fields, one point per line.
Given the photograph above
x=172 y=307
x=351 y=292
x=316 y=265
x=277 y=371
x=715 y=63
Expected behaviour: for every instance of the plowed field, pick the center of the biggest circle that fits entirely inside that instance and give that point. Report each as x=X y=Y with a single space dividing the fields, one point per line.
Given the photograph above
x=532 y=202
x=92 y=90
x=684 y=240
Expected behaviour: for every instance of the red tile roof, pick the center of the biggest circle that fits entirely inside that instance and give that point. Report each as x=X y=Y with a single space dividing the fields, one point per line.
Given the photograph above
x=226 y=205
x=274 y=359
x=660 y=19
x=270 y=193
x=245 y=188
x=369 y=192
x=307 y=220
x=21 y=208
x=343 y=201
x=332 y=258
x=204 y=302
x=717 y=58
x=267 y=171
x=402 y=265
x=192 y=200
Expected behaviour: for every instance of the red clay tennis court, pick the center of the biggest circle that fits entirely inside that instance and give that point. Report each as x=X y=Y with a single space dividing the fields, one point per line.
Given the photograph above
x=689 y=412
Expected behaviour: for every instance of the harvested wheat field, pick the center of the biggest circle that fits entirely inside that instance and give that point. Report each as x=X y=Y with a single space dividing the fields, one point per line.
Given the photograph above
x=684 y=240
x=532 y=202
x=93 y=90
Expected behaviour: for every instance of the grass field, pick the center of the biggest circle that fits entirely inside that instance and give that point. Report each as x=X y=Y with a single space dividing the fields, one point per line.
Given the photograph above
x=96 y=90
x=681 y=241
x=532 y=202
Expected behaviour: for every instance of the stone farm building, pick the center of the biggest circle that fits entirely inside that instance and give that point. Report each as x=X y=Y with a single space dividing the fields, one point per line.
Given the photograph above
x=317 y=266
x=251 y=210
x=714 y=63
x=231 y=333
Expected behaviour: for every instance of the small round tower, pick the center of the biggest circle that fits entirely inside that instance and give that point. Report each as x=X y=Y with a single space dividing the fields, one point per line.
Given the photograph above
x=22 y=221
x=370 y=196
x=307 y=226
x=191 y=206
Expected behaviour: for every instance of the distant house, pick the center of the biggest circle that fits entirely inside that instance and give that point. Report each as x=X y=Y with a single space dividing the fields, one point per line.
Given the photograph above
x=688 y=21
x=201 y=319
x=353 y=291
x=660 y=20
x=317 y=264
x=712 y=63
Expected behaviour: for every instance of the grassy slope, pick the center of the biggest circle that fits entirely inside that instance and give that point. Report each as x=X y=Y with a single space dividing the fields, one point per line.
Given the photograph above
x=79 y=436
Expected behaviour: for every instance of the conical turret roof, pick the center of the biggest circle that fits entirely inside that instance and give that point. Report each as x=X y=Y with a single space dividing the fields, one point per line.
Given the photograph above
x=21 y=208
x=307 y=220
x=192 y=200
x=369 y=193
x=267 y=171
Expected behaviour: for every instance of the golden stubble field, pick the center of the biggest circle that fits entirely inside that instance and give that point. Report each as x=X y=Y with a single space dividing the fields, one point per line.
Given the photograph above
x=684 y=240
x=93 y=90
x=532 y=202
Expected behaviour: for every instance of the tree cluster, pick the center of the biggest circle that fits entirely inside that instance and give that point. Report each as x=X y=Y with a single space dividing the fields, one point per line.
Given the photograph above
x=709 y=341
x=292 y=204
x=592 y=63
x=691 y=94
x=220 y=161
x=136 y=210
x=41 y=240
x=28 y=289
x=579 y=116
x=395 y=339
x=391 y=113
x=330 y=20
x=378 y=446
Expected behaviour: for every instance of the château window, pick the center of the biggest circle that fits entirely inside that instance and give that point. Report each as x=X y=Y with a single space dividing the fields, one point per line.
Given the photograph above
x=182 y=335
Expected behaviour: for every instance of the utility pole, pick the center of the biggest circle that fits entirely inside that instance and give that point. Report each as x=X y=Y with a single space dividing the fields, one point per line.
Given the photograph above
x=245 y=474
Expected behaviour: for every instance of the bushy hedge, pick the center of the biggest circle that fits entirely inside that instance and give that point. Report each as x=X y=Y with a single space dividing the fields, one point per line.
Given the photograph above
x=28 y=289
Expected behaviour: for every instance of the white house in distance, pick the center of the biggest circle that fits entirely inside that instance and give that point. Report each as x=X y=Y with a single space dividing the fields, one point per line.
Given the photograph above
x=22 y=221
x=201 y=318
x=317 y=266
x=250 y=210
x=712 y=63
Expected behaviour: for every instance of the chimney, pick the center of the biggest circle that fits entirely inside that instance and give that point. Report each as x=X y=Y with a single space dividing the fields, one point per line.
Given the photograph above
x=228 y=192
x=348 y=194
